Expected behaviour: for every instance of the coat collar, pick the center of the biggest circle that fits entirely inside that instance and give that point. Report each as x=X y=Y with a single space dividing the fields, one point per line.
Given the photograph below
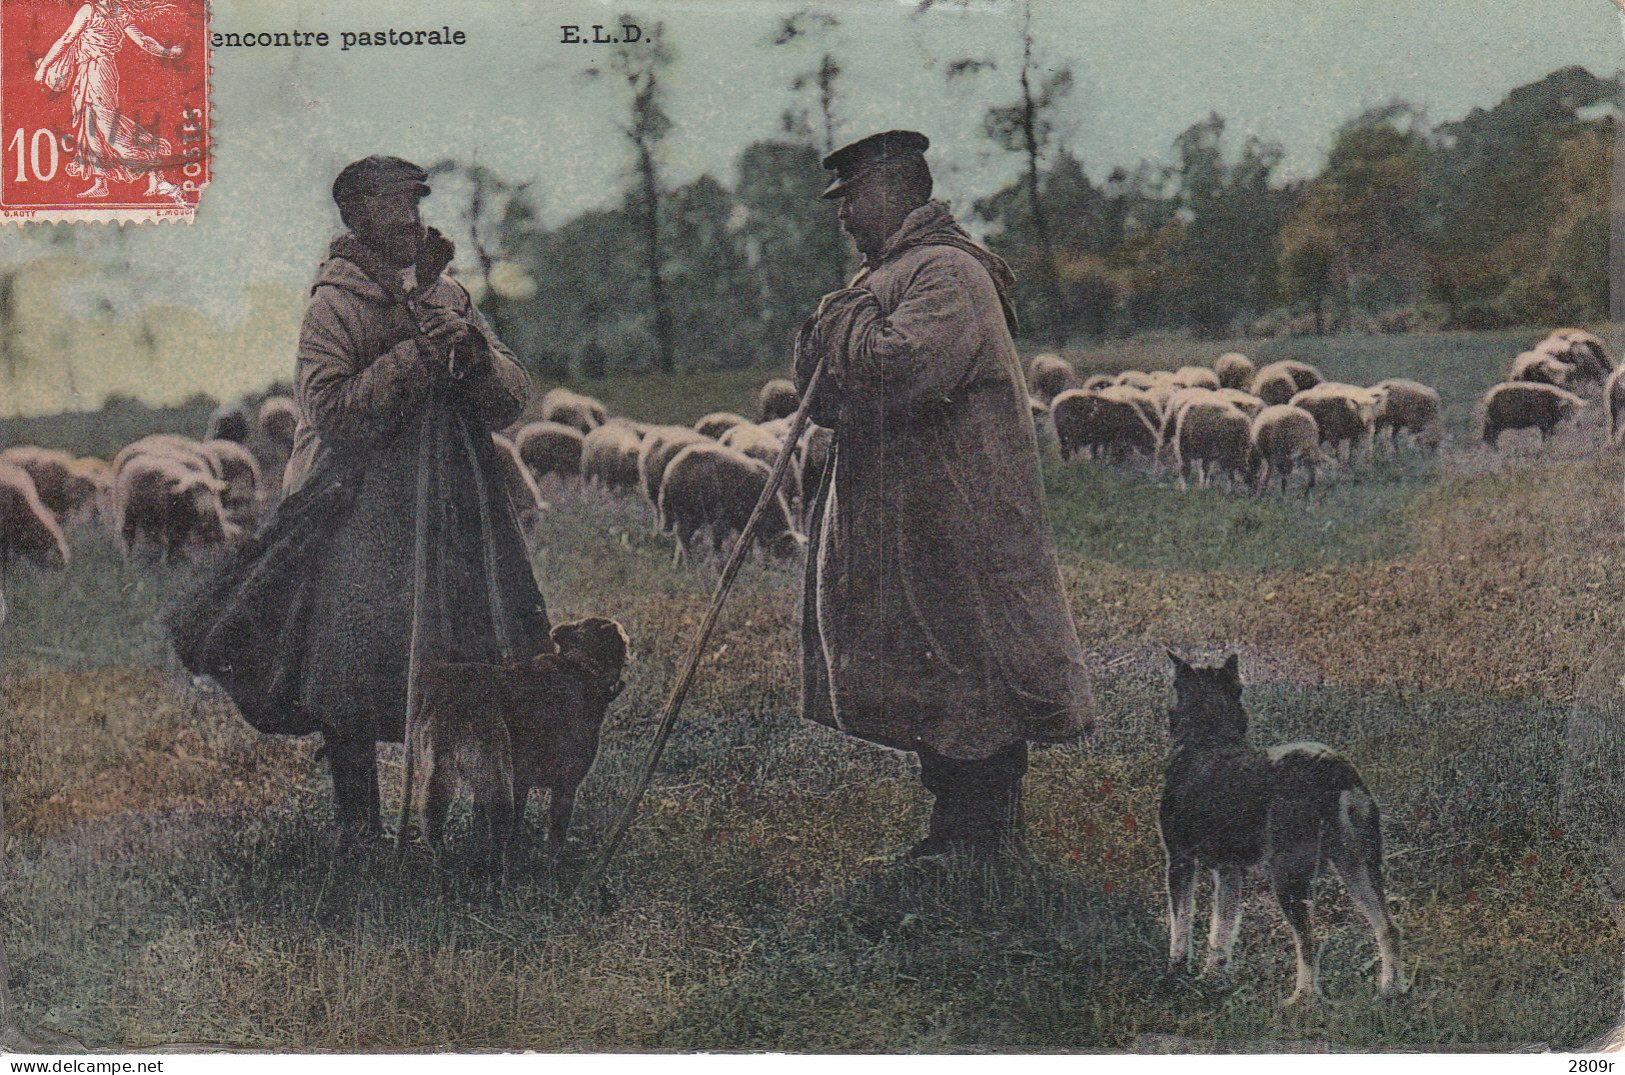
x=355 y=266
x=933 y=224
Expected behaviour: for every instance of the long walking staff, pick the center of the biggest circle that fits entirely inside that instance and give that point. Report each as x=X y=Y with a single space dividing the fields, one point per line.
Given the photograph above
x=674 y=703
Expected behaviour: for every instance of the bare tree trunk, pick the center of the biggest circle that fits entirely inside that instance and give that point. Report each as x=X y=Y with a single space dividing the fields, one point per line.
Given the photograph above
x=828 y=69
x=1058 y=318
x=665 y=350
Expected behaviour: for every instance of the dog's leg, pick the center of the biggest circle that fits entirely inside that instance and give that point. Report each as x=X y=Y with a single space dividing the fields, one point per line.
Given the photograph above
x=1366 y=892
x=561 y=806
x=437 y=803
x=499 y=808
x=521 y=798
x=1292 y=875
x=1226 y=923
x=1358 y=858
x=1181 y=908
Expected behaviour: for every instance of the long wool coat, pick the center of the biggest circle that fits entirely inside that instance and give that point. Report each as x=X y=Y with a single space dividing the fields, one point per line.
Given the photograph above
x=933 y=613
x=395 y=516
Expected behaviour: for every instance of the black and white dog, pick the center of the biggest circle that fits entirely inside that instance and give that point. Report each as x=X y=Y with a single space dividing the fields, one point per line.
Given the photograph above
x=1229 y=806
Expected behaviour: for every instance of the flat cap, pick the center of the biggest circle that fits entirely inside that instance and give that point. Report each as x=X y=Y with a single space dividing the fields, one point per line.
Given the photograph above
x=379 y=175
x=876 y=151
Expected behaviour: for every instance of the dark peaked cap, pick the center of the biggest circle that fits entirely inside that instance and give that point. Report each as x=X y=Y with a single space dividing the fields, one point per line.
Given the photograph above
x=379 y=175
x=856 y=159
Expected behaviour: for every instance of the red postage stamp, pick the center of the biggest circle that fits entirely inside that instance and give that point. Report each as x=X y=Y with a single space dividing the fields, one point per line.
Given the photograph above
x=104 y=109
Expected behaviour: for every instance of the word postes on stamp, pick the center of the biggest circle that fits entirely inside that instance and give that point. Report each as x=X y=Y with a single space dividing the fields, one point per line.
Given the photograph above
x=104 y=109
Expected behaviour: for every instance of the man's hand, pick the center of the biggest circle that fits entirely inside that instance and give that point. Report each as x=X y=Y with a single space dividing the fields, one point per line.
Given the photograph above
x=445 y=327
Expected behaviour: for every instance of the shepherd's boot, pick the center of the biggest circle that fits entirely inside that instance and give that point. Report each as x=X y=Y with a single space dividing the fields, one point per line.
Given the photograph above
x=354 y=767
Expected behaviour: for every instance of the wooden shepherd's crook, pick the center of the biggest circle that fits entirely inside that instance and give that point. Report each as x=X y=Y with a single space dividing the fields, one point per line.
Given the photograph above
x=674 y=702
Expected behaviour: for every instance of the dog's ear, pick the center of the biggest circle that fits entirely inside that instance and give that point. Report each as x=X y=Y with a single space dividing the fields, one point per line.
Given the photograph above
x=1232 y=668
x=1180 y=667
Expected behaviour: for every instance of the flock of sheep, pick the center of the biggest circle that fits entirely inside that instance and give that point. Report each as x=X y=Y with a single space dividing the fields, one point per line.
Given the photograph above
x=1244 y=423
x=1247 y=423
x=1234 y=420
x=162 y=491
x=707 y=476
x=168 y=493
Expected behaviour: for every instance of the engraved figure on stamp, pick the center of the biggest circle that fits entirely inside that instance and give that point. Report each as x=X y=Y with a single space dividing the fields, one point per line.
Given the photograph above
x=107 y=145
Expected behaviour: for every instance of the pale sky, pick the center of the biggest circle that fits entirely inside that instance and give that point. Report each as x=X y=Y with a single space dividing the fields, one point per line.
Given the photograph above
x=515 y=99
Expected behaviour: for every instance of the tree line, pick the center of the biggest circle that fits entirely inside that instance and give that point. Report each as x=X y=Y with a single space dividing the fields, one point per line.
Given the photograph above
x=1495 y=219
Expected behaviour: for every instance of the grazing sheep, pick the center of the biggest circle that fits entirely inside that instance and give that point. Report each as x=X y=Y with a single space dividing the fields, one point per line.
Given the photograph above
x=1614 y=393
x=1250 y=404
x=91 y=479
x=582 y=413
x=1406 y=406
x=279 y=421
x=1149 y=402
x=1274 y=386
x=715 y=424
x=659 y=448
x=609 y=456
x=27 y=527
x=52 y=474
x=1234 y=370
x=763 y=443
x=1112 y=422
x=1283 y=438
x=1196 y=377
x=710 y=485
x=162 y=498
x=778 y=427
x=550 y=448
x=1303 y=374
x=518 y=482
x=1049 y=375
x=776 y=399
x=756 y=441
x=1539 y=367
x=1169 y=408
x=1136 y=379
x=240 y=471
x=1526 y=405
x=228 y=422
x=1581 y=349
x=1211 y=431
x=182 y=449
x=1344 y=413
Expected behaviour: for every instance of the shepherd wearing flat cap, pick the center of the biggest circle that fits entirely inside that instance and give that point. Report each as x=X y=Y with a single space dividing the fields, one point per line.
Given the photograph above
x=933 y=618
x=396 y=543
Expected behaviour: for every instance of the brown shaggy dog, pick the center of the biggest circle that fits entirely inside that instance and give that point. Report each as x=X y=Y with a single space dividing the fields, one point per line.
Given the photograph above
x=500 y=730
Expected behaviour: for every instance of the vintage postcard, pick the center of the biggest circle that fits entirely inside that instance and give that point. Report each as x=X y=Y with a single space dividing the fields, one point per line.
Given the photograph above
x=812 y=526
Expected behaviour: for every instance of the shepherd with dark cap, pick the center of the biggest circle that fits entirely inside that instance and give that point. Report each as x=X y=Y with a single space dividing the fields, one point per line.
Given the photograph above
x=934 y=619
x=396 y=543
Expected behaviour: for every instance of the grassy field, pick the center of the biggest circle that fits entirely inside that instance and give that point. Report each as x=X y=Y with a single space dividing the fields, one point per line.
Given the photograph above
x=1447 y=622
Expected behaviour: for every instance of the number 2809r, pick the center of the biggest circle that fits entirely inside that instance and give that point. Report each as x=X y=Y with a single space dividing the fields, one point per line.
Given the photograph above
x=1591 y=1065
